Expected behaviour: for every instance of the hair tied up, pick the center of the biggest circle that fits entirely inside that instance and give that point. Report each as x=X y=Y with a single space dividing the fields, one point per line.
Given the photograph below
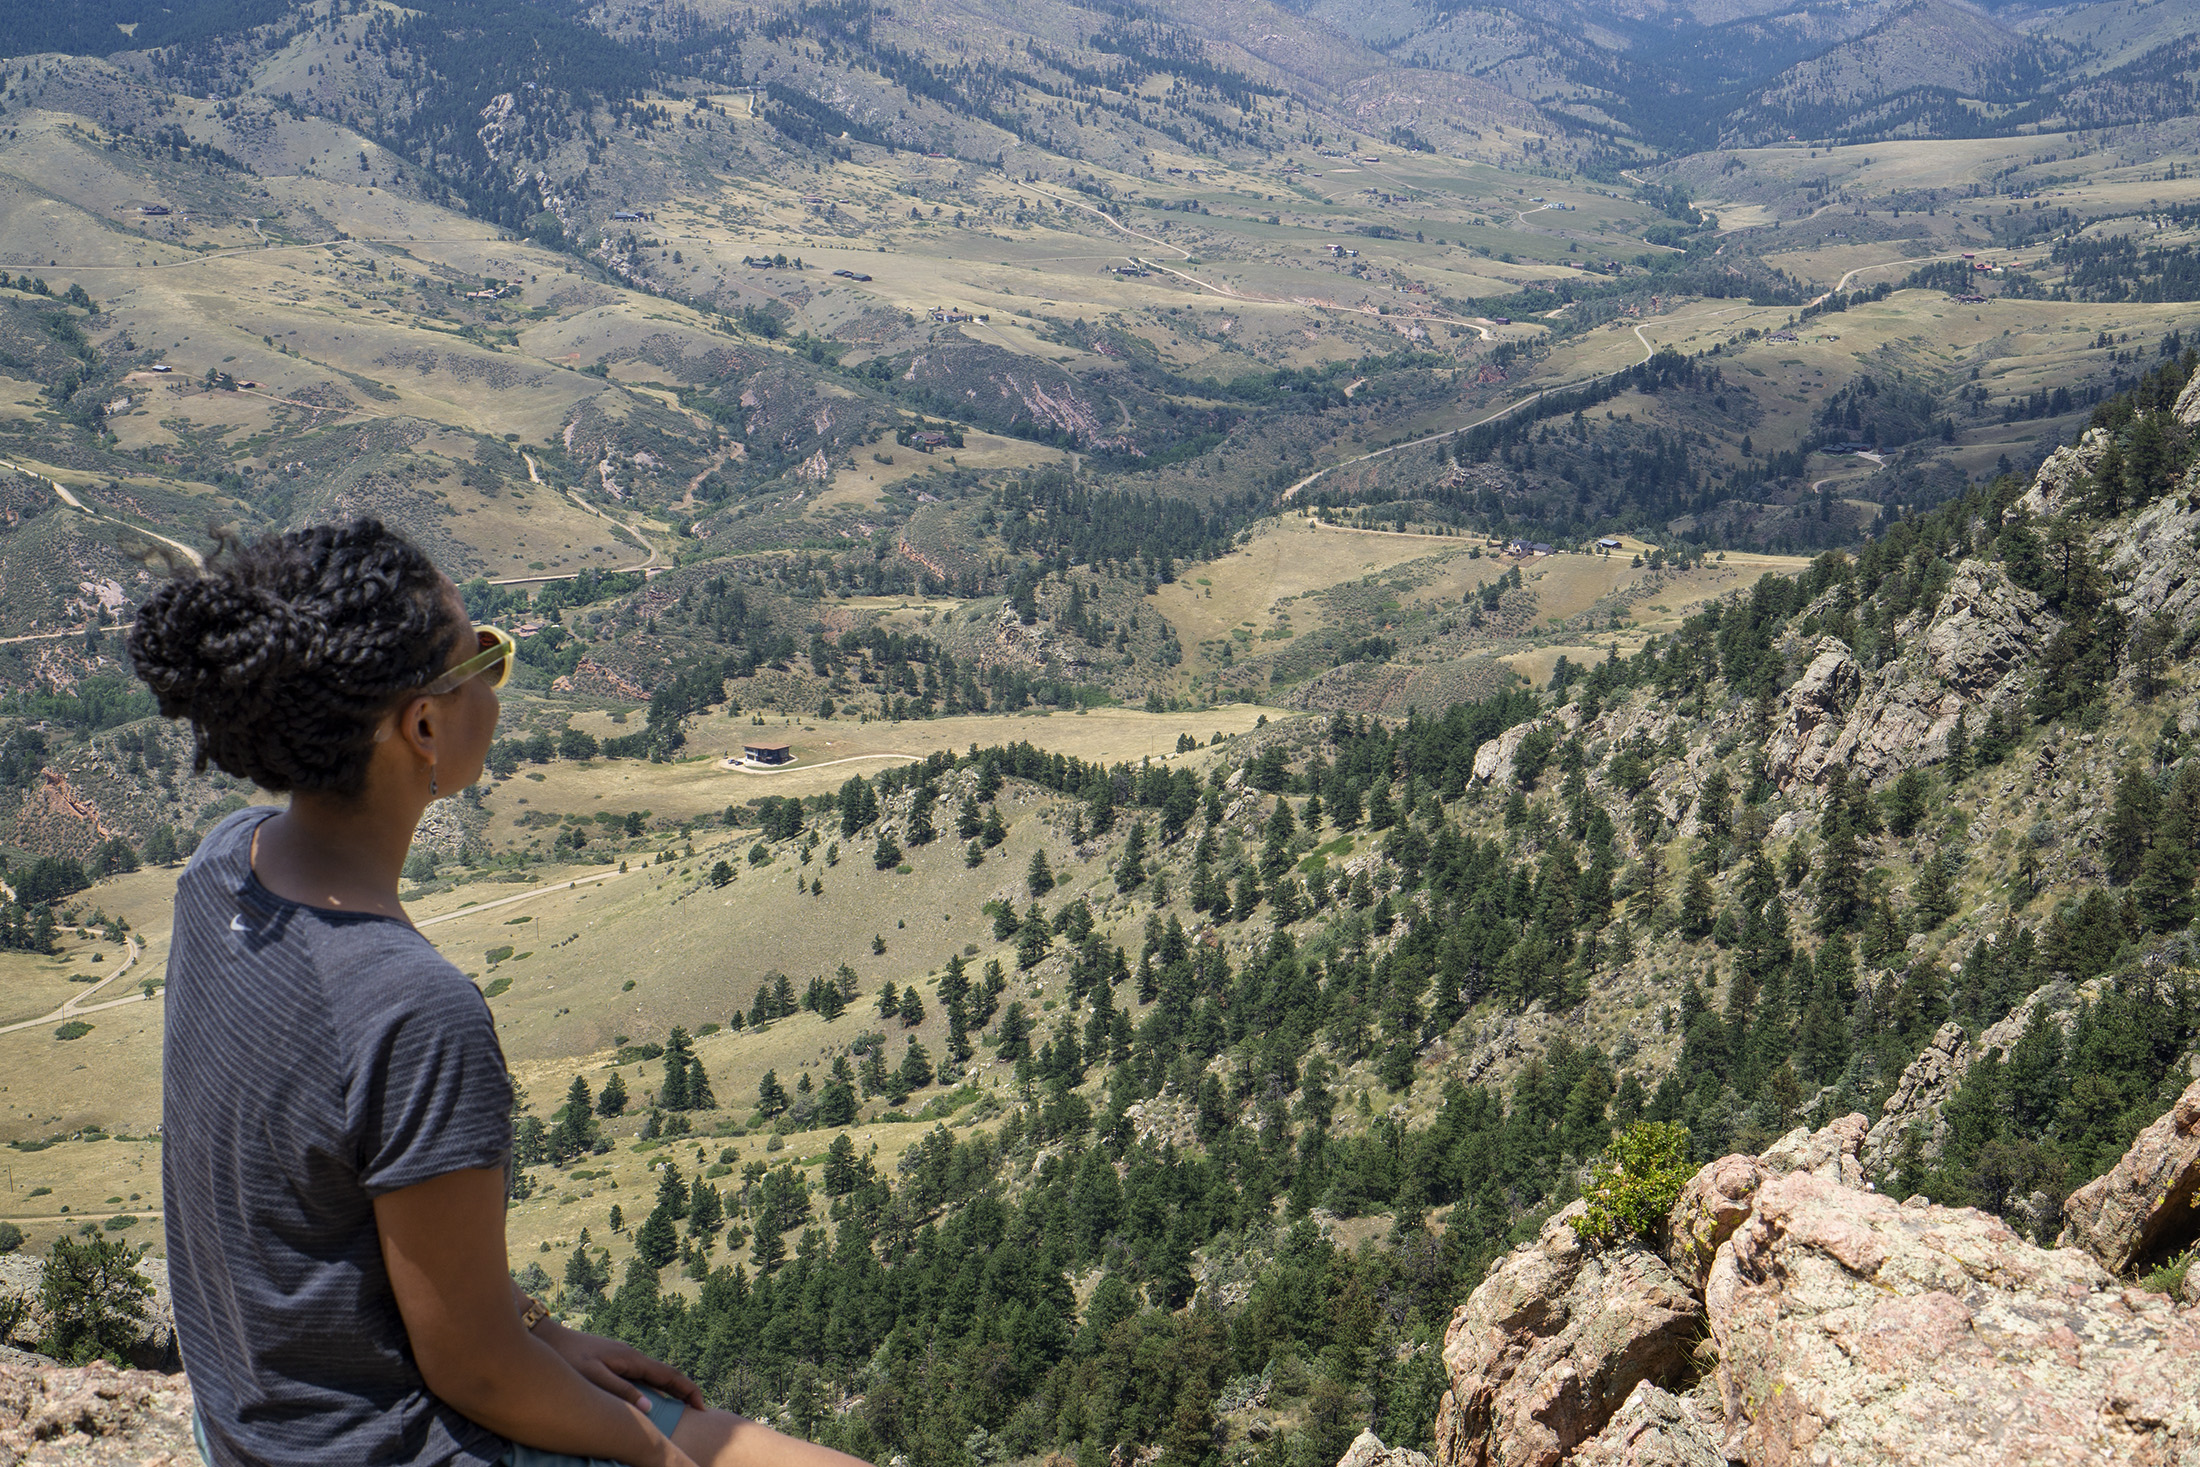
x=284 y=653
x=213 y=633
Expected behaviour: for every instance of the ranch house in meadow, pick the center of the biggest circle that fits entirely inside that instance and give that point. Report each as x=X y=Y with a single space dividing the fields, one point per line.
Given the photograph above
x=769 y=753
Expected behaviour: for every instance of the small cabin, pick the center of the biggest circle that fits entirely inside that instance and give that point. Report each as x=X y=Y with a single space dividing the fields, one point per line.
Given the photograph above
x=1608 y=543
x=769 y=753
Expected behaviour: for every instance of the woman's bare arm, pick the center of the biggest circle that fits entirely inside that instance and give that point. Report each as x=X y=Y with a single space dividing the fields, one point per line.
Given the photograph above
x=443 y=1243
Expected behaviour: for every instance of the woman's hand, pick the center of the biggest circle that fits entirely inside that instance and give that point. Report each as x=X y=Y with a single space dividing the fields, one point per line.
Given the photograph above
x=443 y=1242
x=614 y=1366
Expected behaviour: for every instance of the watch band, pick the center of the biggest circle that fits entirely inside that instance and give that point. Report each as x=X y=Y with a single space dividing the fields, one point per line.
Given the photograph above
x=535 y=1313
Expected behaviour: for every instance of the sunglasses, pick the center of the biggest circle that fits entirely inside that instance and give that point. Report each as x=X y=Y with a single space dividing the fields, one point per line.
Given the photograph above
x=494 y=661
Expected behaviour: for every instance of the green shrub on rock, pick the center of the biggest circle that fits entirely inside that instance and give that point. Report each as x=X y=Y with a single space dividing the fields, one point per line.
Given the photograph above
x=1633 y=1189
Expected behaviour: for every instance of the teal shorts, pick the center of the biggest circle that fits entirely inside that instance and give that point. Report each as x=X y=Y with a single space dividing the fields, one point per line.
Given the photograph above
x=664 y=1414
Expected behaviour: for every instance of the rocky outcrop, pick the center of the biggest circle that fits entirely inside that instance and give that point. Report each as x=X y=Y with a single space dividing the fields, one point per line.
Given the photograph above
x=94 y=1414
x=1919 y=1099
x=2156 y=562
x=1655 y=1428
x=1817 y=711
x=1367 y=1450
x=1542 y=1354
x=2147 y=1206
x=2188 y=402
x=1970 y=653
x=1852 y=1328
x=1493 y=759
x=1844 y=1327
x=2064 y=478
x=1717 y=1199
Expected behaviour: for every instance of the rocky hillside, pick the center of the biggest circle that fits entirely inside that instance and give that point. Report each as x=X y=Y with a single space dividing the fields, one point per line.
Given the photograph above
x=1785 y=1311
x=1782 y=1311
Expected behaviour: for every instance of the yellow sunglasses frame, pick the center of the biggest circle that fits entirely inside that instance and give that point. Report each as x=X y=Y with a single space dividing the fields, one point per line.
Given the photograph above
x=495 y=660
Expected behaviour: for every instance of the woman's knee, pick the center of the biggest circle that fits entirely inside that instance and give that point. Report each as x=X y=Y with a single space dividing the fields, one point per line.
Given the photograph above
x=707 y=1436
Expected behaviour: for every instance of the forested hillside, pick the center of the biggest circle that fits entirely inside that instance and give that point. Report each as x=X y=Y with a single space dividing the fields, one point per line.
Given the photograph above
x=1729 y=881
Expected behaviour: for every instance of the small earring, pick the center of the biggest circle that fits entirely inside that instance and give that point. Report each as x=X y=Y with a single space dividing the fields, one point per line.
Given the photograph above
x=433 y=792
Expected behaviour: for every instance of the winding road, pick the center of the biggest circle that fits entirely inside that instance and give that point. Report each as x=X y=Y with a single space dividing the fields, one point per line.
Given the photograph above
x=741 y=766
x=475 y=908
x=1648 y=351
x=79 y=1005
x=61 y=491
x=627 y=532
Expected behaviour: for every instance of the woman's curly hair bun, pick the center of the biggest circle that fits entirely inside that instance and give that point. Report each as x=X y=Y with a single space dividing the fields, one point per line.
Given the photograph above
x=286 y=652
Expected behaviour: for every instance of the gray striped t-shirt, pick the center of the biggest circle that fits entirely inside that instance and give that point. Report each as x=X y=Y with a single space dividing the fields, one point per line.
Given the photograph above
x=314 y=1061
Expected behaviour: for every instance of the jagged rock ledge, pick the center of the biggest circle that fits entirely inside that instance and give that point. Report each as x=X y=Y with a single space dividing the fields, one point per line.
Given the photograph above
x=1795 y=1316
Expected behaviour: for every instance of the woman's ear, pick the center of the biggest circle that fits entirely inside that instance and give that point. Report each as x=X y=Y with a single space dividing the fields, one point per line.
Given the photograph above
x=420 y=727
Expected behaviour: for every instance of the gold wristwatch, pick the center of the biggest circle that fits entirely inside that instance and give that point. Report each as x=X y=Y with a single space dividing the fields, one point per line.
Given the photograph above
x=535 y=1313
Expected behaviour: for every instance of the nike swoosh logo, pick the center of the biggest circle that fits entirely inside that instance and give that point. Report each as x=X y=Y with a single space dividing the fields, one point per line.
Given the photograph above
x=236 y=924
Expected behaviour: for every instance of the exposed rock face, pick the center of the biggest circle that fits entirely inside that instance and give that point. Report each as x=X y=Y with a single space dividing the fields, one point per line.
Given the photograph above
x=1655 y=1428
x=1493 y=760
x=1845 y=1327
x=51 y=1414
x=1550 y=1345
x=1367 y=1450
x=1970 y=652
x=1920 y=1097
x=1851 y=1328
x=1817 y=711
x=1717 y=1200
x=2188 y=402
x=2147 y=1206
x=2064 y=477
x=2155 y=560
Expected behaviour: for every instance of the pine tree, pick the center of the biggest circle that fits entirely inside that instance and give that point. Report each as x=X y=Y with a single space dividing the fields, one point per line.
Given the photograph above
x=1883 y=934
x=1130 y=866
x=858 y=806
x=576 y=1127
x=612 y=1102
x=836 y=1102
x=967 y=821
x=1959 y=751
x=1840 y=866
x=706 y=1210
x=1039 y=877
x=911 y=1008
x=657 y=1240
x=2163 y=890
x=1034 y=938
x=672 y=1091
x=1698 y=906
x=2133 y=814
x=916 y=1066
x=771 y=1096
x=1936 y=895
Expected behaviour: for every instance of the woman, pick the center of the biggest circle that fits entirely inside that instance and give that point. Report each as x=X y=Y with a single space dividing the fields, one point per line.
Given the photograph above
x=337 y=1111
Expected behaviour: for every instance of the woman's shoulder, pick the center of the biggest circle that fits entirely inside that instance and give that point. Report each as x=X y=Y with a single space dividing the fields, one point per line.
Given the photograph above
x=394 y=957
x=227 y=848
